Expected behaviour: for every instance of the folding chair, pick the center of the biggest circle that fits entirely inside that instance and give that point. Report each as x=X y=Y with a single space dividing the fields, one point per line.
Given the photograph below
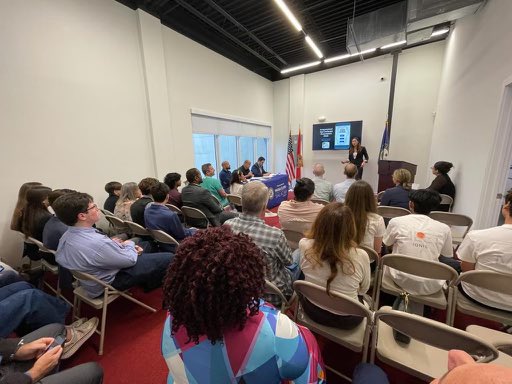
x=174 y=209
x=293 y=238
x=106 y=212
x=426 y=356
x=374 y=258
x=235 y=199
x=421 y=268
x=391 y=212
x=454 y=220
x=271 y=289
x=502 y=341
x=101 y=302
x=446 y=200
x=320 y=201
x=136 y=229
x=379 y=196
x=119 y=225
x=356 y=339
x=163 y=237
x=194 y=213
x=493 y=281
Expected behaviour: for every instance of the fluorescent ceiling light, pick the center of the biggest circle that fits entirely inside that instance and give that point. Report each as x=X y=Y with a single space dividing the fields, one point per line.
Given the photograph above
x=394 y=44
x=300 y=67
x=363 y=52
x=336 y=58
x=289 y=14
x=314 y=47
x=439 y=32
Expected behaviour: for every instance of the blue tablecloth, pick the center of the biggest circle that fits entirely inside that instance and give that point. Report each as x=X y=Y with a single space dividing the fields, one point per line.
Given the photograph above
x=278 y=188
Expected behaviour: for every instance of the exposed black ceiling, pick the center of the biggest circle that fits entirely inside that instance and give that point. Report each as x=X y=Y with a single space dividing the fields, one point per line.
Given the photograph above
x=256 y=34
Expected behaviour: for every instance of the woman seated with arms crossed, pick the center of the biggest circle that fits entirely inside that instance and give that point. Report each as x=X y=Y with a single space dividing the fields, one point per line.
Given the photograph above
x=238 y=181
x=218 y=330
x=398 y=196
x=130 y=192
x=300 y=213
x=370 y=226
x=329 y=258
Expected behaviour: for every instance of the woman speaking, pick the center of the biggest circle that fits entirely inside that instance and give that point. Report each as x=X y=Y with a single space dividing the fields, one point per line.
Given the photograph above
x=358 y=156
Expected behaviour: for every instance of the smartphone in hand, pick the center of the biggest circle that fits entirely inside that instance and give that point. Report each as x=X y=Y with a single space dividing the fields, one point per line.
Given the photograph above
x=59 y=340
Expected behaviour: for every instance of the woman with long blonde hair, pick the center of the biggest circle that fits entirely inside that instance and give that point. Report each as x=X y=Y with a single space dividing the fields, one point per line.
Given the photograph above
x=370 y=226
x=398 y=196
x=130 y=192
x=329 y=258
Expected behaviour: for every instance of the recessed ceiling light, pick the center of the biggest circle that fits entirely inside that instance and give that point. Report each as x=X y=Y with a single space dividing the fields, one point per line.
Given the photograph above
x=291 y=69
x=289 y=14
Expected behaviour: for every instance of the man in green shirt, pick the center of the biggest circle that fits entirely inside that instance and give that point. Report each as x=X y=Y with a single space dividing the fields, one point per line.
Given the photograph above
x=213 y=185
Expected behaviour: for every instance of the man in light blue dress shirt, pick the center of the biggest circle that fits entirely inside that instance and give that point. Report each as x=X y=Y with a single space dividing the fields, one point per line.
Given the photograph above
x=340 y=189
x=83 y=248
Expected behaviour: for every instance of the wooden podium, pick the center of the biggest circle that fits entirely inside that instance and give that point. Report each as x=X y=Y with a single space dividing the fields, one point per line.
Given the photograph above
x=386 y=169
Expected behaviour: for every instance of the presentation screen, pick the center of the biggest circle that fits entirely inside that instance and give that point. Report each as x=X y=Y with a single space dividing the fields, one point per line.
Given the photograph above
x=335 y=136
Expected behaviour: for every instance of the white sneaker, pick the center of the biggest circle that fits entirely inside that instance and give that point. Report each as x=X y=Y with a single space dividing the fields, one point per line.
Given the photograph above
x=79 y=335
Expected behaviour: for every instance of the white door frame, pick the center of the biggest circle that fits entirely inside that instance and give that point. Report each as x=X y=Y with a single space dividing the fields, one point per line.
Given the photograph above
x=499 y=161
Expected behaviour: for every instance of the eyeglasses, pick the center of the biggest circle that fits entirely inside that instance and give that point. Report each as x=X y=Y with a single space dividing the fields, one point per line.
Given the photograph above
x=94 y=206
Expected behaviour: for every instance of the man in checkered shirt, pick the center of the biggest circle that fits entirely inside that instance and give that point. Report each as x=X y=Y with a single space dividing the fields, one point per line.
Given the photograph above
x=269 y=239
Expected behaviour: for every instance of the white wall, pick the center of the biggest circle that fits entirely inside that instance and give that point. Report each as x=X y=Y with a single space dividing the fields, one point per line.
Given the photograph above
x=82 y=102
x=478 y=60
x=356 y=92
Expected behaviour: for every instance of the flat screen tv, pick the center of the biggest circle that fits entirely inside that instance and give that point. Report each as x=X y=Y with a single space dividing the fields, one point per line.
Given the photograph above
x=336 y=136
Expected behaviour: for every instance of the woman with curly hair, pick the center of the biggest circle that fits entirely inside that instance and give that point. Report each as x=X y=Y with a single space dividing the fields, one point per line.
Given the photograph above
x=329 y=258
x=218 y=330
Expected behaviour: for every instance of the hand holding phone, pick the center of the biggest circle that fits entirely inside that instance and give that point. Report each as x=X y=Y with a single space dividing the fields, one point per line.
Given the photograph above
x=59 y=340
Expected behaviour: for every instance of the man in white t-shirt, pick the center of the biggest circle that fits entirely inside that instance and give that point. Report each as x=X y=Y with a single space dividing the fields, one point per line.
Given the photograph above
x=419 y=236
x=489 y=250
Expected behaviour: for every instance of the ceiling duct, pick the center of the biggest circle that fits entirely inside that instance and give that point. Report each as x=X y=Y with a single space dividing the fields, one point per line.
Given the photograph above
x=376 y=29
x=426 y=13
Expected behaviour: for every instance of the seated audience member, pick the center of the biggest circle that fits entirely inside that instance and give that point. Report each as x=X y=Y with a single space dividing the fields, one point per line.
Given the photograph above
x=211 y=293
x=245 y=168
x=418 y=235
x=281 y=269
x=25 y=309
x=138 y=206
x=398 y=196
x=8 y=275
x=300 y=213
x=54 y=228
x=329 y=258
x=225 y=176
x=237 y=183
x=323 y=188
x=173 y=181
x=29 y=360
x=213 y=185
x=119 y=263
x=130 y=192
x=257 y=169
x=369 y=225
x=113 y=188
x=20 y=204
x=489 y=250
x=442 y=182
x=340 y=190
x=193 y=195
x=35 y=213
x=158 y=216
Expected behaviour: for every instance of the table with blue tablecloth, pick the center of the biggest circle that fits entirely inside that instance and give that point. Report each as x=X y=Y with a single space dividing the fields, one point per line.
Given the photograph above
x=278 y=188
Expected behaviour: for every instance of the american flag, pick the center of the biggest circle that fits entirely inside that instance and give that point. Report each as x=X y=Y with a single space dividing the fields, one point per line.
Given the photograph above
x=290 y=160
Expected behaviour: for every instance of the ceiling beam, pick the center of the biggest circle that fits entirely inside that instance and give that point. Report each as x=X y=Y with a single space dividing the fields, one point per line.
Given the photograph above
x=212 y=24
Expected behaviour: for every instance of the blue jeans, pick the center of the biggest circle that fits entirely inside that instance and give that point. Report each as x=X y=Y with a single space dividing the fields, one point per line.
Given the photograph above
x=148 y=272
x=9 y=277
x=366 y=373
x=25 y=309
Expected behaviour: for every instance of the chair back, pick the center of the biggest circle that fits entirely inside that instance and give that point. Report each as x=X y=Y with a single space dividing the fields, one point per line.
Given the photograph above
x=137 y=229
x=320 y=201
x=446 y=200
x=379 y=196
x=493 y=281
x=391 y=212
x=40 y=245
x=235 y=199
x=436 y=334
x=334 y=302
x=419 y=267
x=163 y=237
x=293 y=238
x=174 y=209
x=106 y=212
x=271 y=289
x=374 y=256
x=118 y=224
x=194 y=213
x=453 y=219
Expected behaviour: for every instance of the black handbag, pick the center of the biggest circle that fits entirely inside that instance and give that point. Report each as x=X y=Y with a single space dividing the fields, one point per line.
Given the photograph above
x=401 y=303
